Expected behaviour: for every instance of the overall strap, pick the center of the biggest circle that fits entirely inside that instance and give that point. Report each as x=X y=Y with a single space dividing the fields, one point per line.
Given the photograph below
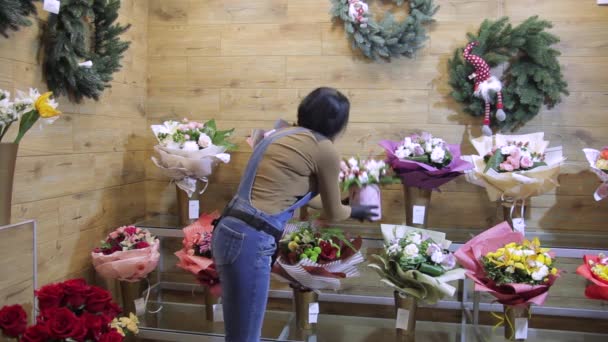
x=244 y=191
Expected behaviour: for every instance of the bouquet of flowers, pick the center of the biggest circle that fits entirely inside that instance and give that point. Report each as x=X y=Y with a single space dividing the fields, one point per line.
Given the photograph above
x=361 y=179
x=595 y=270
x=515 y=166
x=416 y=262
x=598 y=163
x=70 y=311
x=316 y=259
x=196 y=256
x=424 y=161
x=189 y=150
x=514 y=270
x=127 y=254
x=29 y=108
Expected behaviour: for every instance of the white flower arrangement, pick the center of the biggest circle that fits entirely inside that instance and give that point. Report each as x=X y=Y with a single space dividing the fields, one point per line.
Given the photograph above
x=357 y=172
x=424 y=148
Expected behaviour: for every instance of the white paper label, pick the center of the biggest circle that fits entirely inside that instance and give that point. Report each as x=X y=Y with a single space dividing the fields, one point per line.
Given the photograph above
x=313 y=312
x=193 y=209
x=140 y=306
x=218 y=313
x=521 y=328
x=602 y=2
x=51 y=6
x=418 y=214
x=519 y=225
x=403 y=317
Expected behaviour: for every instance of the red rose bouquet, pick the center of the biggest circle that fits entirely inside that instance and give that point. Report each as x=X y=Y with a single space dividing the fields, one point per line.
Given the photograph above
x=69 y=311
x=127 y=254
x=316 y=259
x=195 y=256
x=595 y=270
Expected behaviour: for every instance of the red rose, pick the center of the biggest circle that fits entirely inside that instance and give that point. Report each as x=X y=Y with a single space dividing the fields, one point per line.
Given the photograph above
x=97 y=299
x=112 y=310
x=95 y=325
x=36 y=333
x=141 y=244
x=75 y=292
x=13 y=320
x=50 y=296
x=130 y=230
x=328 y=251
x=111 y=336
x=63 y=323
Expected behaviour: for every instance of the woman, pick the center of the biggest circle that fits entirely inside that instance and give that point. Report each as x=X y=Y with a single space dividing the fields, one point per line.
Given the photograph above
x=286 y=170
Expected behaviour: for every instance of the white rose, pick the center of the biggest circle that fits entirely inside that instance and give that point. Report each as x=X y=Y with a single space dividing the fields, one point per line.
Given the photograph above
x=428 y=147
x=351 y=176
x=541 y=273
x=223 y=157
x=394 y=249
x=363 y=177
x=437 y=257
x=416 y=238
x=190 y=146
x=437 y=155
x=402 y=153
x=411 y=250
x=438 y=141
x=353 y=162
x=506 y=150
x=204 y=140
x=169 y=143
x=407 y=141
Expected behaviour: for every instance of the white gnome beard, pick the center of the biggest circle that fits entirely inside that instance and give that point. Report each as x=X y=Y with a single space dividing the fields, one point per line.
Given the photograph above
x=487 y=87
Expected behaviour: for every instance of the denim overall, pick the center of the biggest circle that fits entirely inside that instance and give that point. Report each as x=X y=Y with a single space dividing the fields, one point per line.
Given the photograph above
x=244 y=242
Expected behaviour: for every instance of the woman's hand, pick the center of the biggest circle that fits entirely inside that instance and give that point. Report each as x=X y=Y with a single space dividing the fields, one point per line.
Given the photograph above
x=363 y=212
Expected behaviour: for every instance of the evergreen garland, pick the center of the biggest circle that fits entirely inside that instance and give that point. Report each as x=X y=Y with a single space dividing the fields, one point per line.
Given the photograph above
x=389 y=37
x=69 y=42
x=14 y=13
x=532 y=77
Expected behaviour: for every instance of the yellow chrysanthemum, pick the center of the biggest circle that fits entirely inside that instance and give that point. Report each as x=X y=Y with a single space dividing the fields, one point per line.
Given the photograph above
x=44 y=107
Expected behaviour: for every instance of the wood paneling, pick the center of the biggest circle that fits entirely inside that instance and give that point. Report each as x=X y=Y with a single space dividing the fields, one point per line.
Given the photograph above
x=248 y=63
x=84 y=174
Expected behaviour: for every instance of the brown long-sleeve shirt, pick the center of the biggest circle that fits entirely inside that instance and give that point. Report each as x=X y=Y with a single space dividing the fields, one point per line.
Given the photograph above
x=295 y=165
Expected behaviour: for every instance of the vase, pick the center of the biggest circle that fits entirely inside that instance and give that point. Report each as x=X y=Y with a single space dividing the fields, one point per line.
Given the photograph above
x=189 y=208
x=405 y=310
x=302 y=300
x=129 y=292
x=367 y=195
x=8 y=157
x=417 y=202
x=516 y=321
x=210 y=301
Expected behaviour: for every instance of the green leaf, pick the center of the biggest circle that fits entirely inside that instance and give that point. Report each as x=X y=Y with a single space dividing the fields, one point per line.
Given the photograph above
x=495 y=160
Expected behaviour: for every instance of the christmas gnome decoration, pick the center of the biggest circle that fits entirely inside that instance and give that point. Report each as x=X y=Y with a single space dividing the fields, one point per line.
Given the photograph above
x=485 y=86
x=357 y=9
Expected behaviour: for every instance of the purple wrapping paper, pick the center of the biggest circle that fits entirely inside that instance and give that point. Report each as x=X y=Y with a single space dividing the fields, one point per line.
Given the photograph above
x=422 y=175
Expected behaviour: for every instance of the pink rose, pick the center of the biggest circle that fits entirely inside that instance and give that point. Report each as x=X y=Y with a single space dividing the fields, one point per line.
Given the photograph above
x=514 y=161
x=113 y=235
x=506 y=166
x=526 y=162
x=192 y=125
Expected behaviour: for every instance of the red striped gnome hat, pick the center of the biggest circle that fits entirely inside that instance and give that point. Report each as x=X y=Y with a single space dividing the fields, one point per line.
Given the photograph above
x=485 y=86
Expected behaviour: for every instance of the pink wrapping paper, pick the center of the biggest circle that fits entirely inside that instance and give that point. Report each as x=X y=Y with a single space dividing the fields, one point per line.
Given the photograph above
x=131 y=266
x=367 y=195
x=598 y=289
x=469 y=256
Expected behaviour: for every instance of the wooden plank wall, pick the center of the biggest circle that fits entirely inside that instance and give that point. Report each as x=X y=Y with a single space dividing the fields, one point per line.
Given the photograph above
x=247 y=63
x=83 y=175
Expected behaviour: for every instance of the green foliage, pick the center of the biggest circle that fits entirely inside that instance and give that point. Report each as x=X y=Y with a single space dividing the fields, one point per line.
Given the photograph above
x=219 y=138
x=389 y=37
x=533 y=77
x=498 y=274
x=15 y=13
x=70 y=40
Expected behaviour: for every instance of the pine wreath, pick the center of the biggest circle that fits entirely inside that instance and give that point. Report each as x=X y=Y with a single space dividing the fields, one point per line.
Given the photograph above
x=15 y=13
x=532 y=78
x=80 y=59
x=389 y=37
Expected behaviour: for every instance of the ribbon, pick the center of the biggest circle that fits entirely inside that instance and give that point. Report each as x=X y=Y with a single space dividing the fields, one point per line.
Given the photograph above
x=514 y=202
x=148 y=297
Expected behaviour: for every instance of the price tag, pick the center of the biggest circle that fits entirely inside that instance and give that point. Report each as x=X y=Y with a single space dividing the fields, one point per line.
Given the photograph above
x=403 y=316
x=519 y=225
x=521 y=328
x=51 y=6
x=418 y=214
x=193 y=209
x=218 y=313
x=313 y=312
x=140 y=306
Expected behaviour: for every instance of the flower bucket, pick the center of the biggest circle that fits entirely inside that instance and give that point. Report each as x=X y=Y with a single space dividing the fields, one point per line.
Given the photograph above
x=405 y=309
x=189 y=208
x=516 y=322
x=367 y=195
x=8 y=157
x=210 y=301
x=417 y=202
x=303 y=300
x=130 y=291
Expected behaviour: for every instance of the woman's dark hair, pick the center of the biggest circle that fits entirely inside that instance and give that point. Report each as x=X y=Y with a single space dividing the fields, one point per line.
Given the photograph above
x=325 y=111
